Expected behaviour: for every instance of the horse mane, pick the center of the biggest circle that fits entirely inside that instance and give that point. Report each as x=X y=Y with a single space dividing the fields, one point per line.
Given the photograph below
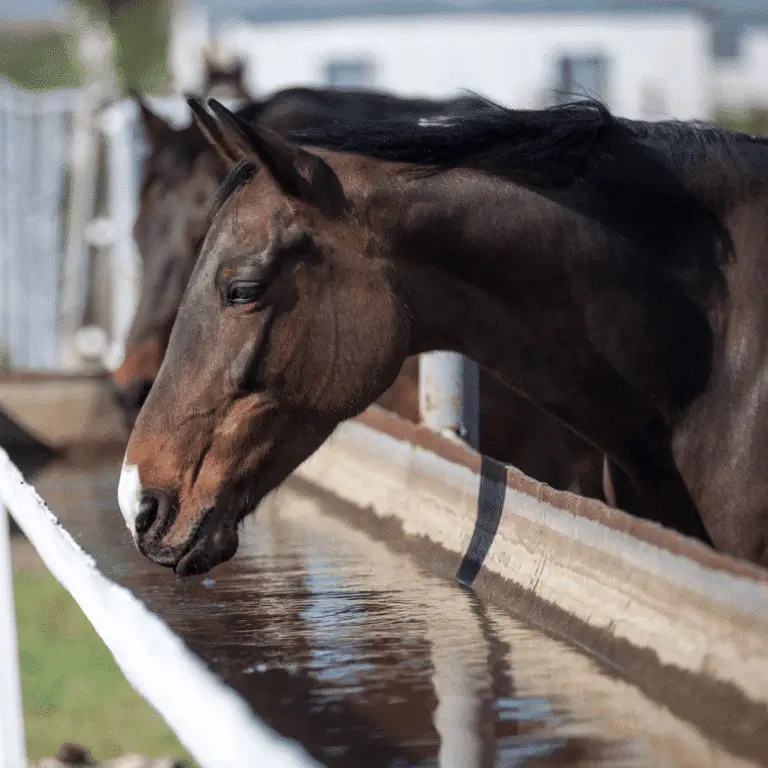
x=554 y=142
x=549 y=144
x=654 y=183
x=545 y=148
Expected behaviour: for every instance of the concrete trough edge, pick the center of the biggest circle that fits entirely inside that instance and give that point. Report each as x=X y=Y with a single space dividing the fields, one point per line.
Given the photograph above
x=621 y=584
x=61 y=410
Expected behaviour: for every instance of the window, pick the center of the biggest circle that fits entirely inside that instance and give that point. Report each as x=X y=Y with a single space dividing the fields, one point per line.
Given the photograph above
x=349 y=73
x=580 y=77
x=726 y=39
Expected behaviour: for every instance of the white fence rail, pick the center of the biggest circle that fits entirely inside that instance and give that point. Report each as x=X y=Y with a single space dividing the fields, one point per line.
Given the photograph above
x=209 y=718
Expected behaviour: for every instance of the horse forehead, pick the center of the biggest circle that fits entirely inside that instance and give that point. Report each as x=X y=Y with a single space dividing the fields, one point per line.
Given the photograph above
x=250 y=218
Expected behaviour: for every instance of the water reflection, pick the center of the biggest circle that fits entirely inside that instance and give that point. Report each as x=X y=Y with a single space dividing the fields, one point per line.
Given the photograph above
x=368 y=661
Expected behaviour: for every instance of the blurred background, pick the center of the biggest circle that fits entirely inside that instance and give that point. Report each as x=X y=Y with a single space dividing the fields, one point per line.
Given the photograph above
x=70 y=158
x=645 y=58
x=61 y=62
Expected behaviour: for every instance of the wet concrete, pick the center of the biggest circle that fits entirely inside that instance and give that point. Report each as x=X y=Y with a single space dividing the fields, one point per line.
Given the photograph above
x=368 y=660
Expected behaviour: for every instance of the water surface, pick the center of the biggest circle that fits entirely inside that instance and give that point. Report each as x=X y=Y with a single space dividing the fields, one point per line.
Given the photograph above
x=367 y=659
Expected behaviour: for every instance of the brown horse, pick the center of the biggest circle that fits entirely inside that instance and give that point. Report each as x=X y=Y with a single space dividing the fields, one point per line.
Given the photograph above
x=611 y=271
x=180 y=177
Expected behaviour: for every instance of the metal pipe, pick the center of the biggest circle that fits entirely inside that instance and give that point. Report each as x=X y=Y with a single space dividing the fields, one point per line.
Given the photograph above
x=13 y=753
x=449 y=395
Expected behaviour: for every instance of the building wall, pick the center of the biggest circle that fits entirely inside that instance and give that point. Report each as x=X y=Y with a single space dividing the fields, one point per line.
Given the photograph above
x=742 y=82
x=657 y=66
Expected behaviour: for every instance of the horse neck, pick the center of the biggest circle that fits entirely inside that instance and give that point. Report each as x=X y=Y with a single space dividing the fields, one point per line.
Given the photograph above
x=533 y=292
x=470 y=246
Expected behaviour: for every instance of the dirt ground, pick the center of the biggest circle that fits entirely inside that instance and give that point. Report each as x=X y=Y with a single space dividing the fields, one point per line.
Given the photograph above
x=24 y=556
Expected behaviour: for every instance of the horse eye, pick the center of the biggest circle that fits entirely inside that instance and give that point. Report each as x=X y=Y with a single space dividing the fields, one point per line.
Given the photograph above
x=245 y=292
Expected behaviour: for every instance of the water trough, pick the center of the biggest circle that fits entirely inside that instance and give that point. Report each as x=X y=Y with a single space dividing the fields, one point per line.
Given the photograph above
x=686 y=625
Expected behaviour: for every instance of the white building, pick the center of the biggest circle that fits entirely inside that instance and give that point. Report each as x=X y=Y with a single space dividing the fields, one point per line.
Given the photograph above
x=741 y=80
x=651 y=64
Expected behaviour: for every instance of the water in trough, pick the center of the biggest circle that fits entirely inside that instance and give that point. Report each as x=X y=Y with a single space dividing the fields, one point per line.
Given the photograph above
x=367 y=659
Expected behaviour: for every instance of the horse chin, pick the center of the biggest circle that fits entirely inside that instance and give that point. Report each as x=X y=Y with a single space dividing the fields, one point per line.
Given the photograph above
x=207 y=551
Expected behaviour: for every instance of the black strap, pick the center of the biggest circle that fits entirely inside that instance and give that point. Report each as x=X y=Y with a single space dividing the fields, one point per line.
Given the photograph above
x=490 y=503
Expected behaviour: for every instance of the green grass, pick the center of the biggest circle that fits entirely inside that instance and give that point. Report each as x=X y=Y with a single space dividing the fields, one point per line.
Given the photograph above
x=752 y=121
x=72 y=688
x=39 y=61
x=46 y=60
x=142 y=40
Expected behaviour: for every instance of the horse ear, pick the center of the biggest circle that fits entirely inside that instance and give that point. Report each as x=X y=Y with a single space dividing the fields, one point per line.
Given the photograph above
x=300 y=174
x=230 y=147
x=156 y=130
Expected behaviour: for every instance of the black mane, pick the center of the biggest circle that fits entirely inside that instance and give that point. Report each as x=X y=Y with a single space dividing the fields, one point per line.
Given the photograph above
x=546 y=149
x=652 y=184
x=548 y=144
x=552 y=142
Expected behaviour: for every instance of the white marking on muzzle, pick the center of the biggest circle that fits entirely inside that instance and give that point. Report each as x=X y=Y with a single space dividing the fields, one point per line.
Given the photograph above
x=129 y=495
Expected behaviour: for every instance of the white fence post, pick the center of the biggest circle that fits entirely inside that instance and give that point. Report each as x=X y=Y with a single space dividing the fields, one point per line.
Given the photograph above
x=117 y=124
x=83 y=164
x=449 y=395
x=12 y=745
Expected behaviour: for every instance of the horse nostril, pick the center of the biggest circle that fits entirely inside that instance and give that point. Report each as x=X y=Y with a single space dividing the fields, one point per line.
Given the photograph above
x=148 y=509
x=155 y=505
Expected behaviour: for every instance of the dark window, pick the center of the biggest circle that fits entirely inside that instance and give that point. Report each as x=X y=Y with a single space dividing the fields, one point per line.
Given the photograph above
x=579 y=77
x=349 y=73
x=726 y=40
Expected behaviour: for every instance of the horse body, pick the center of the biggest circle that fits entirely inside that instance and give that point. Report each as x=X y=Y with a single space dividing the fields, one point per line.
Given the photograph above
x=719 y=443
x=181 y=176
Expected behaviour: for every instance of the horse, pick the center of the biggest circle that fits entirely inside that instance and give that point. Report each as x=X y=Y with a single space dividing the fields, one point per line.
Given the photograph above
x=222 y=78
x=180 y=177
x=608 y=270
